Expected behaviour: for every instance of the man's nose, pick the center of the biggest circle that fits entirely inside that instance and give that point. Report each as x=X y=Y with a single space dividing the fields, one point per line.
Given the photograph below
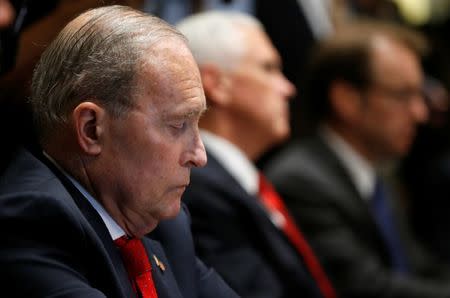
x=200 y=158
x=418 y=109
x=196 y=155
x=287 y=89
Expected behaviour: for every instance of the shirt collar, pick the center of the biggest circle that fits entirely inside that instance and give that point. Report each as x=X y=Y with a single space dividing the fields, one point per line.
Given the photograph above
x=361 y=172
x=113 y=228
x=233 y=160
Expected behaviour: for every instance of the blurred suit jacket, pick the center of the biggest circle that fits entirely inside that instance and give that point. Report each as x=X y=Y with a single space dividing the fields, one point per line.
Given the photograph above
x=233 y=233
x=324 y=201
x=54 y=243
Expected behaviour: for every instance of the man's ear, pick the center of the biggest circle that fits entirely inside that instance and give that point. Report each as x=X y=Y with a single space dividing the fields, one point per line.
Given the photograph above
x=88 y=120
x=345 y=101
x=216 y=84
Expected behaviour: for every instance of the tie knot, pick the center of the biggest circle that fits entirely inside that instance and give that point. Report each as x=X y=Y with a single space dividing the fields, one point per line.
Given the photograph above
x=264 y=184
x=133 y=255
x=122 y=241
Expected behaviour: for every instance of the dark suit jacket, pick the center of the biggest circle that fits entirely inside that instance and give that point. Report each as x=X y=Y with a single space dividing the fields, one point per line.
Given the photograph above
x=337 y=220
x=193 y=278
x=54 y=243
x=234 y=234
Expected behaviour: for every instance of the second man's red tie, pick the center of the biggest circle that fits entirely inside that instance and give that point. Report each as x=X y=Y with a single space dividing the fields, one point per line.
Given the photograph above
x=275 y=206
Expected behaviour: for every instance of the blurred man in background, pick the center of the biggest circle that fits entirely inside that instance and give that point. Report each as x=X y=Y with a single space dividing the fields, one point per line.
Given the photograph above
x=239 y=224
x=365 y=89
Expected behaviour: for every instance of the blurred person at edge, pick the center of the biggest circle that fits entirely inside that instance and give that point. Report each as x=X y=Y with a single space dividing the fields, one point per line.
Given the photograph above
x=365 y=89
x=7 y=13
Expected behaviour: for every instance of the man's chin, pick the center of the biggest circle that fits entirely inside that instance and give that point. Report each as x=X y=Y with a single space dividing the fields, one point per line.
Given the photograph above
x=282 y=135
x=144 y=230
x=172 y=211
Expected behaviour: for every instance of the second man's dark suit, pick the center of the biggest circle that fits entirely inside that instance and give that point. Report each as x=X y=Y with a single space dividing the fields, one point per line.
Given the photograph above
x=337 y=220
x=54 y=244
x=233 y=233
x=193 y=278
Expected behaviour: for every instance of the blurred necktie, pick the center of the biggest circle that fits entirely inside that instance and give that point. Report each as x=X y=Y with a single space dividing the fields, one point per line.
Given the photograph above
x=386 y=222
x=285 y=222
x=138 y=266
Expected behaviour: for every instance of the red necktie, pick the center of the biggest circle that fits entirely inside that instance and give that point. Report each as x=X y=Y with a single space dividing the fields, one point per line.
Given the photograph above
x=138 y=266
x=275 y=206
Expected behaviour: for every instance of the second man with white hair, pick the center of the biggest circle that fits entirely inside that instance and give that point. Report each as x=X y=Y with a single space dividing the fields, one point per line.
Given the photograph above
x=240 y=226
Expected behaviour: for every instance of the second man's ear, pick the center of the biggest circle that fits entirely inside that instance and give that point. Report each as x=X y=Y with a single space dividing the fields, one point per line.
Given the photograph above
x=345 y=101
x=216 y=84
x=88 y=118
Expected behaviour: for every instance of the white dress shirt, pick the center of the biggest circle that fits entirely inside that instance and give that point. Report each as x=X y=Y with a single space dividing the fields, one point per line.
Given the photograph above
x=240 y=168
x=233 y=160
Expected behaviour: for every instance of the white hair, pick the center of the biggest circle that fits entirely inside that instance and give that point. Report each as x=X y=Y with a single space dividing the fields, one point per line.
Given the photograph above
x=217 y=37
x=98 y=55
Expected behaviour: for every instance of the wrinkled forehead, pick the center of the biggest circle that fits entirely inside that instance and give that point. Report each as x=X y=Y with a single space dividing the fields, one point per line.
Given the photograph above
x=168 y=70
x=170 y=62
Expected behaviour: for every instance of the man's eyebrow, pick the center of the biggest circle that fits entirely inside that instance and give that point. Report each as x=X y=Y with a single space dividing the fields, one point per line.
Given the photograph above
x=203 y=110
x=190 y=113
x=197 y=112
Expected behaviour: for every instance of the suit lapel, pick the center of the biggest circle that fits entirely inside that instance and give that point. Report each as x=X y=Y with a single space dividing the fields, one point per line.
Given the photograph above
x=164 y=280
x=353 y=203
x=176 y=238
x=99 y=234
x=273 y=239
x=226 y=182
x=105 y=238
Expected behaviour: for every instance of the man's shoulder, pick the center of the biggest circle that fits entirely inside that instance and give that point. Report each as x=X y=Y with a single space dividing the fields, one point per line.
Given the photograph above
x=305 y=156
x=215 y=190
x=212 y=171
x=26 y=173
x=172 y=232
x=30 y=191
x=309 y=171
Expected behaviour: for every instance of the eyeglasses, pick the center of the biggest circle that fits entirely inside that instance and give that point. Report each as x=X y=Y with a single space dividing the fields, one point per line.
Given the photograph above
x=401 y=94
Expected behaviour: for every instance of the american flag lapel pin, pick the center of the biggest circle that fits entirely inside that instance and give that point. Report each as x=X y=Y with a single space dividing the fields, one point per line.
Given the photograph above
x=159 y=264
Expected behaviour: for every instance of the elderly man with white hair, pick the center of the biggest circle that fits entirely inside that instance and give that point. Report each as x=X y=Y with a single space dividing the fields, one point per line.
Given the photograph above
x=240 y=227
x=116 y=98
